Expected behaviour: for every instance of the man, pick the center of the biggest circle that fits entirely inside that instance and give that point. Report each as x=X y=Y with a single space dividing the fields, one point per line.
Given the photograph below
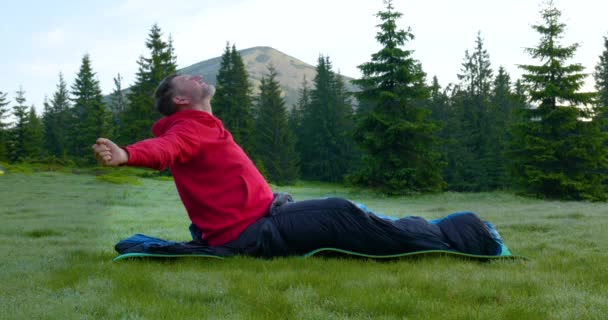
x=229 y=202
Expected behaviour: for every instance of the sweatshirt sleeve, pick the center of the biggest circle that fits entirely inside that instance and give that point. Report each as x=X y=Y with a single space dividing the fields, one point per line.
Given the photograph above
x=179 y=144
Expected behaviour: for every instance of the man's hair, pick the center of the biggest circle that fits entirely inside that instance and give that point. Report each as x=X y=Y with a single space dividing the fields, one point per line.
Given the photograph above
x=164 y=96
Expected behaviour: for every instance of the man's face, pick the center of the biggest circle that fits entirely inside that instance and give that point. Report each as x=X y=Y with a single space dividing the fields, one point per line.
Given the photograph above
x=192 y=88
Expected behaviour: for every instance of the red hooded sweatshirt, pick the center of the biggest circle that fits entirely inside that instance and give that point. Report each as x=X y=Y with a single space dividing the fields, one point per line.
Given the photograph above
x=219 y=185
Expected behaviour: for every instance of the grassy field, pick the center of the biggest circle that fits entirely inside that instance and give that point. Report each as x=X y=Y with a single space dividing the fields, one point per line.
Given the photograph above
x=58 y=231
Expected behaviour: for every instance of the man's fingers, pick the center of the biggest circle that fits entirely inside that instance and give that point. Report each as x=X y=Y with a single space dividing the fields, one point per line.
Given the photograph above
x=104 y=153
x=100 y=148
x=106 y=142
x=102 y=141
x=107 y=152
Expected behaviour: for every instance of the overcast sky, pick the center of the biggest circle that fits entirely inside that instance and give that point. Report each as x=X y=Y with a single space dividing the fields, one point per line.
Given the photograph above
x=42 y=38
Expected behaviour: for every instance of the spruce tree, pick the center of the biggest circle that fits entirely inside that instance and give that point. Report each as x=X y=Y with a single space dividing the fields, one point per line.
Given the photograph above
x=140 y=113
x=90 y=113
x=438 y=102
x=441 y=114
x=501 y=116
x=232 y=101
x=327 y=124
x=471 y=157
x=33 y=136
x=601 y=84
x=601 y=76
x=18 y=135
x=459 y=170
x=397 y=138
x=118 y=101
x=58 y=122
x=274 y=141
x=558 y=153
x=296 y=114
x=4 y=133
x=47 y=128
x=118 y=104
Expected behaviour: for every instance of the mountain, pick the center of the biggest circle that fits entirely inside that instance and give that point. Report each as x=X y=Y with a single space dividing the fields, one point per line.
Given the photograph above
x=290 y=71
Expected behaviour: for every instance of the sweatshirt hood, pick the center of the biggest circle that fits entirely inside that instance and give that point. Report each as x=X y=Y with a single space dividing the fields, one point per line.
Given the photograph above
x=161 y=126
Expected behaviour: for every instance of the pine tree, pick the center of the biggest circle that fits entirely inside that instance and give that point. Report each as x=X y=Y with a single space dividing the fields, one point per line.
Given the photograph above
x=601 y=84
x=601 y=76
x=274 y=141
x=118 y=104
x=17 y=144
x=4 y=132
x=501 y=116
x=90 y=113
x=327 y=124
x=297 y=113
x=397 y=137
x=140 y=113
x=471 y=157
x=118 y=101
x=58 y=122
x=232 y=101
x=477 y=71
x=48 y=139
x=441 y=114
x=438 y=102
x=33 y=136
x=556 y=153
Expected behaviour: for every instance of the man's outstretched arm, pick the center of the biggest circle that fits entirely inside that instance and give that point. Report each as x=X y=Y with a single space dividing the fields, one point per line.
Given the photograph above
x=109 y=154
x=178 y=144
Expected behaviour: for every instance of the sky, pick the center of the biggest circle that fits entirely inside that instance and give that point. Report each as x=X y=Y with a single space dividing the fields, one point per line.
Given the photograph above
x=43 y=38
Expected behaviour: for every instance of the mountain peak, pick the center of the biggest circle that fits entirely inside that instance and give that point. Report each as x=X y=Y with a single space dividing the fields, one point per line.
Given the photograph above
x=290 y=70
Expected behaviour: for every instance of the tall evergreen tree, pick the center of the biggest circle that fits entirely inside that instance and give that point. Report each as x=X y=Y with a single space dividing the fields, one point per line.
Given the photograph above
x=601 y=84
x=441 y=114
x=327 y=124
x=470 y=157
x=4 y=156
x=140 y=113
x=601 y=75
x=90 y=113
x=118 y=100
x=297 y=113
x=58 y=122
x=33 y=135
x=438 y=102
x=397 y=137
x=17 y=142
x=274 y=142
x=118 y=104
x=47 y=128
x=477 y=71
x=500 y=116
x=556 y=153
x=232 y=100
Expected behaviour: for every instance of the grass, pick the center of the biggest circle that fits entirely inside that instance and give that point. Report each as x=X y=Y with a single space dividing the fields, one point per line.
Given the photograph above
x=118 y=179
x=58 y=231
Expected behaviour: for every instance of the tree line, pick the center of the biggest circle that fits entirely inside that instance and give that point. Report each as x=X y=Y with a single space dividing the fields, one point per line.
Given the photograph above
x=400 y=133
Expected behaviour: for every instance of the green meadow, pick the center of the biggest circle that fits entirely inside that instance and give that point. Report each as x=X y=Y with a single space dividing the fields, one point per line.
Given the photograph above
x=58 y=230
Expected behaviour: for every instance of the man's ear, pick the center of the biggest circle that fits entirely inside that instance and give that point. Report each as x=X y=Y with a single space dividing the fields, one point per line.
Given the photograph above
x=180 y=100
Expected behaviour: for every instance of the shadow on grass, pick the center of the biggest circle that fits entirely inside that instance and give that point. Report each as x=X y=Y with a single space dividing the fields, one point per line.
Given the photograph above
x=42 y=233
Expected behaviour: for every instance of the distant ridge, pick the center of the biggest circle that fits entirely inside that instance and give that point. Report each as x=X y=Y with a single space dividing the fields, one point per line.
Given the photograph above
x=290 y=70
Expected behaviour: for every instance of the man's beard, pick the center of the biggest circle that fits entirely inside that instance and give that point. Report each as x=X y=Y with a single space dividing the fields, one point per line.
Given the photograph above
x=208 y=92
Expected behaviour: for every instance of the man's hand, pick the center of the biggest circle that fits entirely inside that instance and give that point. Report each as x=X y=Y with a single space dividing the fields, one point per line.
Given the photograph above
x=109 y=154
